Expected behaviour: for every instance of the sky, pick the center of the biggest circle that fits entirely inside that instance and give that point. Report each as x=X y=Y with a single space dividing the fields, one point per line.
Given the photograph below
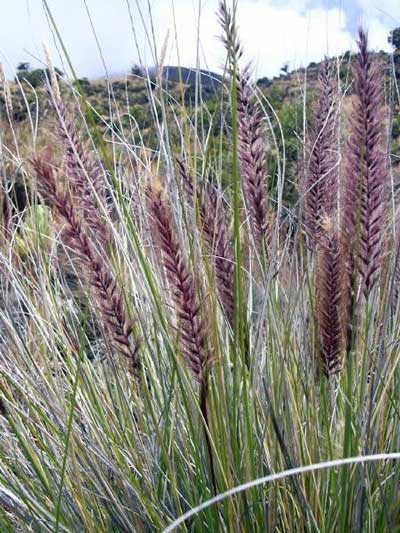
x=111 y=35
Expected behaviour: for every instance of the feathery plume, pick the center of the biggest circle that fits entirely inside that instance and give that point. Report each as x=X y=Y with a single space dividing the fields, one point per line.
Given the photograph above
x=329 y=300
x=192 y=333
x=192 y=330
x=364 y=190
x=251 y=132
x=321 y=183
x=86 y=178
x=218 y=240
x=109 y=298
x=252 y=155
x=217 y=237
x=229 y=37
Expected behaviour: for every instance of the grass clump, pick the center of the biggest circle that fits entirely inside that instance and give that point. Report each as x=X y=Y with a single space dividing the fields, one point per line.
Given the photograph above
x=172 y=331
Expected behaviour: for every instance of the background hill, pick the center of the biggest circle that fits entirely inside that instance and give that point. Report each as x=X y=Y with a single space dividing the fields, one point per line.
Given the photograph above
x=128 y=105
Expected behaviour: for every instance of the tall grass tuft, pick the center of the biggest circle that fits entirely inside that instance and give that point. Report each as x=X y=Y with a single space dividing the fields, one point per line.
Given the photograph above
x=150 y=357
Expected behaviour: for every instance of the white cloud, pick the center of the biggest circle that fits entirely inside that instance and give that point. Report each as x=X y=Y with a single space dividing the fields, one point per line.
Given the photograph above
x=24 y=29
x=278 y=35
x=379 y=17
x=271 y=34
x=389 y=9
x=378 y=36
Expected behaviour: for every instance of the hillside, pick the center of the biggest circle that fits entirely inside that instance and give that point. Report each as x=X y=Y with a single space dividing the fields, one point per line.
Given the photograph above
x=129 y=105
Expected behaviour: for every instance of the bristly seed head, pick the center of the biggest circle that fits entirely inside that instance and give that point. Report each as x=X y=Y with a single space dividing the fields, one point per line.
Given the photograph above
x=365 y=194
x=329 y=297
x=192 y=332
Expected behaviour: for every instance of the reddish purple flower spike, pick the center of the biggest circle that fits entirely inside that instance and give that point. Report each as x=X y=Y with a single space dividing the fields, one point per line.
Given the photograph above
x=252 y=156
x=192 y=330
x=321 y=183
x=86 y=178
x=329 y=297
x=364 y=198
x=251 y=133
x=217 y=236
x=110 y=306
